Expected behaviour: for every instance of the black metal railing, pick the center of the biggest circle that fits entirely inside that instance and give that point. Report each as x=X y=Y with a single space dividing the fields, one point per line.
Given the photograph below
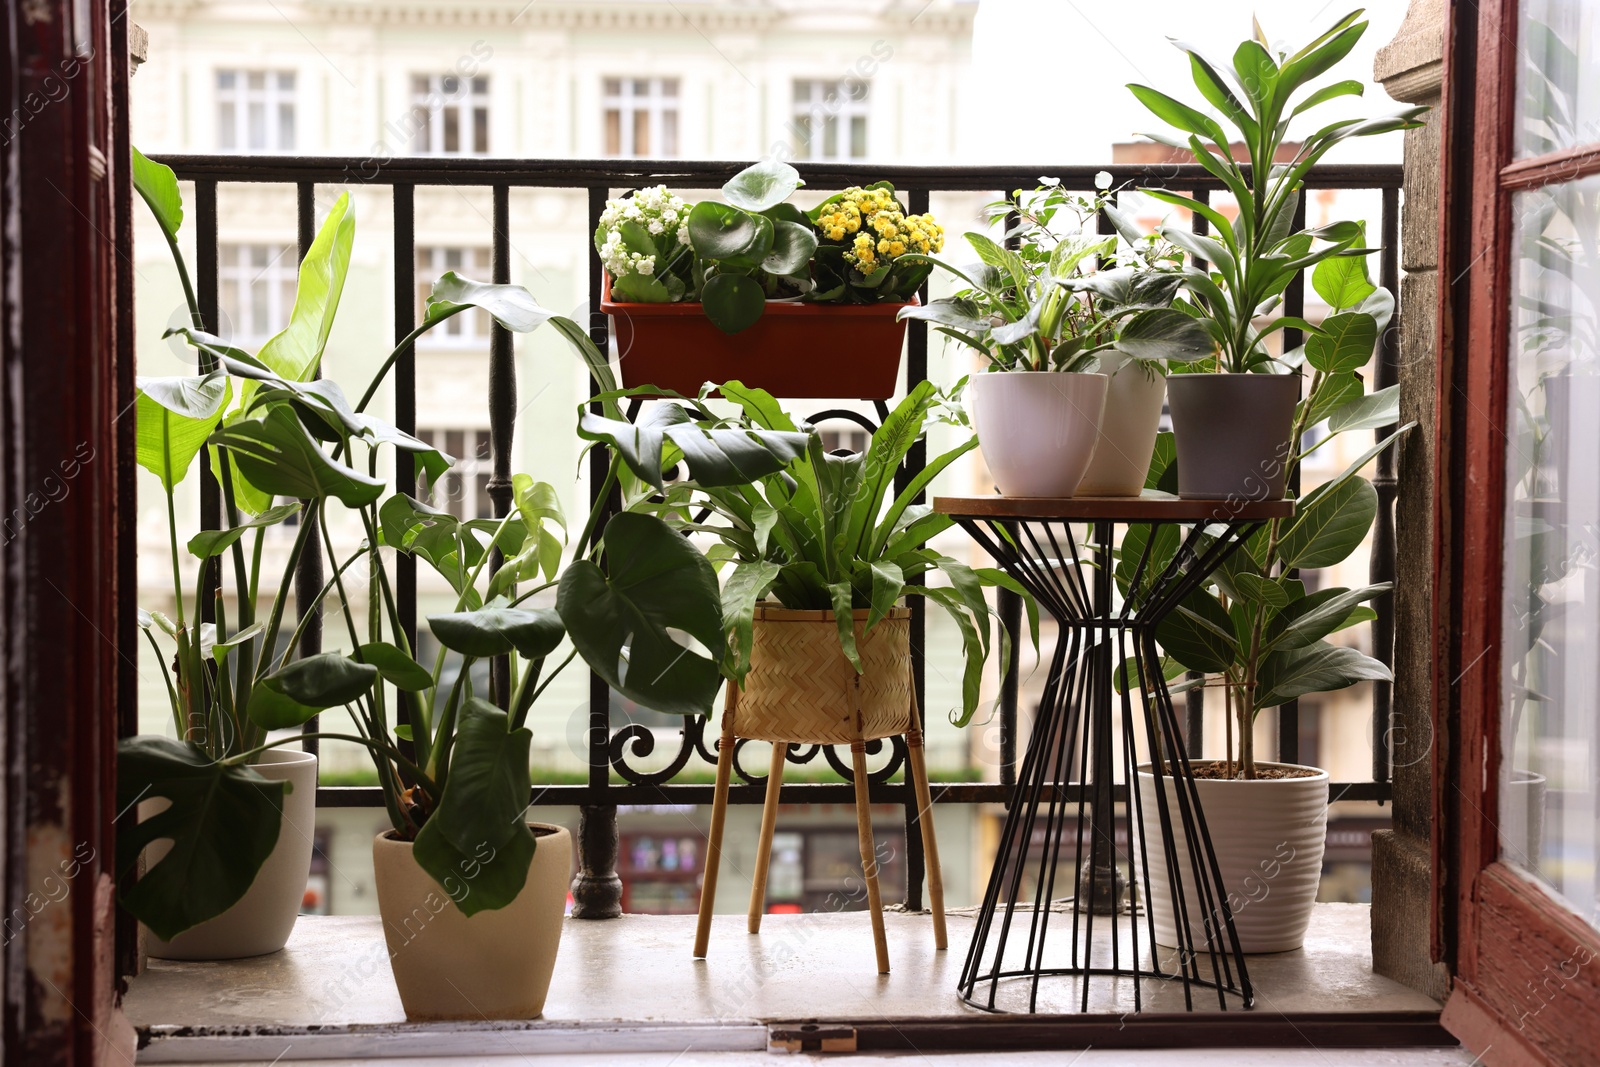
x=597 y=891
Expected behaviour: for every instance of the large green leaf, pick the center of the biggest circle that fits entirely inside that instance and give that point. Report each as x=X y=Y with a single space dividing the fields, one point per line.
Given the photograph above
x=295 y=352
x=292 y=695
x=792 y=248
x=477 y=844
x=746 y=584
x=397 y=668
x=715 y=457
x=496 y=631
x=1330 y=526
x=208 y=543
x=1342 y=281
x=1369 y=412
x=277 y=456
x=624 y=620
x=1165 y=334
x=733 y=302
x=1317 y=668
x=1199 y=634
x=720 y=232
x=174 y=416
x=1317 y=615
x=158 y=186
x=887 y=448
x=762 y=186
x=511 y=305
x=1345 y=343
x=222 y=821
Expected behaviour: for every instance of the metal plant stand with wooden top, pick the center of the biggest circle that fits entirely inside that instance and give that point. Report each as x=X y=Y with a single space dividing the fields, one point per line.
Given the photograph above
x=1085 y=744
x=802 y=690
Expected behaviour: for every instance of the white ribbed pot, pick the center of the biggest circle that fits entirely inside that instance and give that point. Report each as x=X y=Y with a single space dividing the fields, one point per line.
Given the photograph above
x=491 y=965
x=263 y=918
x=1128 y=431
x=1037 y=429
x=1269 y=835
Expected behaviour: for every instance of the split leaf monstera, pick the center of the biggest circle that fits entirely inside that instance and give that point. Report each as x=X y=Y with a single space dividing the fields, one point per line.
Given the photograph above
x=452 y=765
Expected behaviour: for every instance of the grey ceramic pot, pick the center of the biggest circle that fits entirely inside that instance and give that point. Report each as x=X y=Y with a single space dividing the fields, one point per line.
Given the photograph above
x=1232 y=433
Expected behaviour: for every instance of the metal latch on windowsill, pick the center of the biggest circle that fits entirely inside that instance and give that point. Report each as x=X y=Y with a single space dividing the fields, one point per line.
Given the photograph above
x=811 y=1037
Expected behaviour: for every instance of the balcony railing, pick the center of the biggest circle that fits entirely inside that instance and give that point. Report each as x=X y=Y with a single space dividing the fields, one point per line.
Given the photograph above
x=597 y=891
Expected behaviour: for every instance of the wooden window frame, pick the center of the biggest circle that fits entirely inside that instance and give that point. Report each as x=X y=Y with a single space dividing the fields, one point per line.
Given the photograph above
x=1527 y=970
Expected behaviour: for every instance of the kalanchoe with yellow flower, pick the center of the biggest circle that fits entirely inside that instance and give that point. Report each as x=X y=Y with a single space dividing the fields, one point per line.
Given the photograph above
x=862 y=233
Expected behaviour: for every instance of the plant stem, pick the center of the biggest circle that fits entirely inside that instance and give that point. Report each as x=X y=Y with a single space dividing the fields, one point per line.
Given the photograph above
x=407 y=342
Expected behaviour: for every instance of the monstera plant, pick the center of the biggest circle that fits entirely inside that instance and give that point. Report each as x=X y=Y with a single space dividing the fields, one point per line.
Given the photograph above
x=638 y=603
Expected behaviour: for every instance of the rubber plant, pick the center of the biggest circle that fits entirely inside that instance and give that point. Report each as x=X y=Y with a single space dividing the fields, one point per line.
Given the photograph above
x=826 y=532
x=453 y=766
x=1065 y=295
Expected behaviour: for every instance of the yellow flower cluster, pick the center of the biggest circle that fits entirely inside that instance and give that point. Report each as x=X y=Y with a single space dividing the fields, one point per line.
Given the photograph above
x=877 y=229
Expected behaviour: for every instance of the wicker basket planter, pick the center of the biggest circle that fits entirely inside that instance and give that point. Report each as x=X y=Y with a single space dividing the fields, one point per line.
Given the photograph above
x=802 y=688
x=798 y=351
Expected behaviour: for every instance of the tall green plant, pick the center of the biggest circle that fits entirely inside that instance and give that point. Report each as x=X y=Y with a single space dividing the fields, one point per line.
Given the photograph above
x=639 y=604
x=1255 y=255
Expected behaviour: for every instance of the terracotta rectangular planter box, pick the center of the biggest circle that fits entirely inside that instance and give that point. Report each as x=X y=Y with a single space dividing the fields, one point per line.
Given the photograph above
x=795 y=351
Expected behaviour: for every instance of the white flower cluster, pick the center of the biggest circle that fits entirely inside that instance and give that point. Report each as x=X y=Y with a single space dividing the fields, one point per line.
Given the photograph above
x=658 y=210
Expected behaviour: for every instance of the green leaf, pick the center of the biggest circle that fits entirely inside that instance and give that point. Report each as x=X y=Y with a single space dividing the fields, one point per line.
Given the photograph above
x=1261 y=590
x=1181 y=115
x=1333 y=393
x=761 y=186
x=494 y=631
x=278 y=456
x=1199 y=634
x=222 y=820
x=1342 y=281
x=1345 y=343
x=715 y=457
x=733 y=302
x=1370 y=412
x=622 y=620
x=1329 y=526
x=511 y=305
x=1319 y=668
x=158 y=186
x=174 y=416
x=1317 y=615
x=290 y=696
x=208 y=543
x=720 y=232
x=887 y=582
x=477 y=844
x=1129 y=670
x=747 y=584
x=792 y=248
x=1165 y=334
x=397 y=668
x=431 y=462
x=295 y=352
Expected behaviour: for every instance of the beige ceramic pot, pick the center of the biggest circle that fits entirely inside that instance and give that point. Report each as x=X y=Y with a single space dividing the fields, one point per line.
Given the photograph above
x=263 y=918
x=1269 y=834
x=1037 y=429
x=1127 y=431
x=492 y=965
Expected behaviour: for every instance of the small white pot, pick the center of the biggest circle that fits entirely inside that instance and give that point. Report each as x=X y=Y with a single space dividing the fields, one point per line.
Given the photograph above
x=1128 y=430
x=1269 y=835
x=263 y=918
x=1038 y=429
x=493 y=965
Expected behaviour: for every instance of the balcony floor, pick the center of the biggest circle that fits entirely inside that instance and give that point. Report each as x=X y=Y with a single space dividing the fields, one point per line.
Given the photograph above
x=630 y=985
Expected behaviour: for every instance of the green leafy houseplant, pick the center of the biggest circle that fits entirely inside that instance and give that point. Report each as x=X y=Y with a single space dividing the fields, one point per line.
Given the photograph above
x=455 y=775
x=818 y=535
x=1048 y=305
x=1255 y=256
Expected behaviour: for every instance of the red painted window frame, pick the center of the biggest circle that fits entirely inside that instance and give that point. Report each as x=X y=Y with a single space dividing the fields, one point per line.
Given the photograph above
x=1527 y=971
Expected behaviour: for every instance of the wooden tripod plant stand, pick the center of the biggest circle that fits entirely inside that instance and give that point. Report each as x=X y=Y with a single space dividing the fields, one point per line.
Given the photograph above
x=802 y=690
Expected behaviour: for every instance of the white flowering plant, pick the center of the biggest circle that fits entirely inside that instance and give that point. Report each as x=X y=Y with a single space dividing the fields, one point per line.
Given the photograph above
x=644 y=245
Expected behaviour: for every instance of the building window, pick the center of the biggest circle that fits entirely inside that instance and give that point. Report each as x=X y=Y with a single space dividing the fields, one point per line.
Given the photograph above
x=464 y=490
x=641 y=117
x=830 y=119
x=467 y=329
x=256 y=287
x=839 y=437
x=255 y=111
x=450 y=115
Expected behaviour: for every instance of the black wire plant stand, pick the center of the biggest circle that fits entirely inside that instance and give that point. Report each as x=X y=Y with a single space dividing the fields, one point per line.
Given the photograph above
x=1107 y=607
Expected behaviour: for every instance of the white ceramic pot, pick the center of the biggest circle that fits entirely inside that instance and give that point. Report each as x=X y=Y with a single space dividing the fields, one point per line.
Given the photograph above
x=1037 y=429
x=492 y=965
x=1128 y=430
x=1269 y=835
x=262 y=919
